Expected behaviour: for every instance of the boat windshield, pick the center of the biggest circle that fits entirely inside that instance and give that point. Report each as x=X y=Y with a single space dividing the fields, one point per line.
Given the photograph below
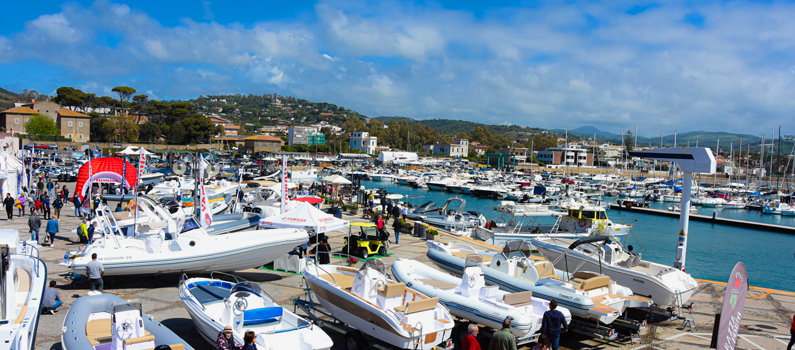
x=516 y=249
x=375 y=264
x=190 y=224
x=246 y=286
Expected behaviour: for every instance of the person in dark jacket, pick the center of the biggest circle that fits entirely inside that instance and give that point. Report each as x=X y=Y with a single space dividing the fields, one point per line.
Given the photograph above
x=396 y=226
x=9 y=203
x=504 y=338
x=552 y=324
x=45 y=205
x=57 y=205
x=226 y=341
x=34 y=223
x=323 y=252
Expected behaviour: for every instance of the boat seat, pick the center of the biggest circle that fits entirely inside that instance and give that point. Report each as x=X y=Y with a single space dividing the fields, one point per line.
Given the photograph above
x=343 y=281
x=594 y=283
x=438 y=284
x=550 y=273
x=463 y=255
x=347 y=269
x=518 y=299
x=263 y=315
x=392 y=290
x=585 y=275
x=418 y=306
x=138 y=340
x=22 y=280
x=99 y=331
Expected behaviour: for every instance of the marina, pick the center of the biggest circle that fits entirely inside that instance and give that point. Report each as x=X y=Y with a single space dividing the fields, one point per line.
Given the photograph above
x=711 y=219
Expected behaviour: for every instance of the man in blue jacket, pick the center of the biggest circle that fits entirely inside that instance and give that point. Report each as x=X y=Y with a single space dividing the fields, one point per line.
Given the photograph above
x=552 y=324
x=52 y=229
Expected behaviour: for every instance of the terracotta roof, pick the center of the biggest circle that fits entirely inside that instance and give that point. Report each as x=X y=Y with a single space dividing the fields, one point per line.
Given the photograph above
x=21 y=110
x=263 y=138
x=232 y=126
x=71 y=113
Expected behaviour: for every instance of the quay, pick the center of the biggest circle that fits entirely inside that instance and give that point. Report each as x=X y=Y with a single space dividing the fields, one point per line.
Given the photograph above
x=765 y=323
x=711 y=219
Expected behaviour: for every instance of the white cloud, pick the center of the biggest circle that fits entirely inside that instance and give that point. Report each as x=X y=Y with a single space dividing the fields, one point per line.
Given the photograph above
x=551 y=66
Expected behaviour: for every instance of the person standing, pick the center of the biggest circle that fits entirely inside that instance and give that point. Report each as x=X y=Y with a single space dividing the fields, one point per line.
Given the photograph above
x=51 y=300
x=9 y=203
x=396 y=226
x=40 y=187
x=552 y=324
x=45 y=205
x=34 y=223
x=791 y=334
x=82 y=233
x=50 y=185
x=388 y=210
x=57 y=205
x=470 y=340
x=543 y=343
x=76 y=202
x=225 y=340
x=65 y=193
x=250 y=340
x=52 y=229
x=22 y=200
x=322 y=252
x=504 y=338
x=95 y=271
x=90 y=232
x=379 y=225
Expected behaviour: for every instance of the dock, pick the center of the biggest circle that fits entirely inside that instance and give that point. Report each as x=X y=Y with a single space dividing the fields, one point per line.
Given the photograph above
x=765 y=324
x=711 y=219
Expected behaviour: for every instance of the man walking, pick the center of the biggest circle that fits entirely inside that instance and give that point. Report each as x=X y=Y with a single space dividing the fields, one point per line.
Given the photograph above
x=9 y=203
x=51 y=300
x=76 y=201
x=470 y=340
x=50 y=185
x=504 y=338
x=396 y=226
x=52 y=229
x=90 y=232
x=95 y=271
x=551 y=324
x=34 y=223
x=45 y=205
x=82 y=233
x=57 y=205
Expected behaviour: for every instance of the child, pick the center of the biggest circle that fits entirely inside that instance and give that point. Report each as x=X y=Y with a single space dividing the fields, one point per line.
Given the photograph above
x=248 y=341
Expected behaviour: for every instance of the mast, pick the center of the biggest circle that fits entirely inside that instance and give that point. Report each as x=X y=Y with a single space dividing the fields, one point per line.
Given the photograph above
x=761 y=158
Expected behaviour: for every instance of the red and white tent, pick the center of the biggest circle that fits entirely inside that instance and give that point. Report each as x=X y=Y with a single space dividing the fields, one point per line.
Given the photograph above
x=306 y=217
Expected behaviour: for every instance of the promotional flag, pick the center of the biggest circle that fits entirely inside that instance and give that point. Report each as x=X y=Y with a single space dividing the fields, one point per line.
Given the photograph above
x=238 y=196
x=284 y=185
x=733 y=303
x=205 y=211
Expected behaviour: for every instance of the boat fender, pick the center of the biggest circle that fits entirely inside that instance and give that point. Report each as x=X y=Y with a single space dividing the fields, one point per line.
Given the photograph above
x=582 y=223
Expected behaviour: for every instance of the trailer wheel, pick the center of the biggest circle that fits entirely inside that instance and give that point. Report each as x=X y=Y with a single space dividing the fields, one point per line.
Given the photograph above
x=354 y=341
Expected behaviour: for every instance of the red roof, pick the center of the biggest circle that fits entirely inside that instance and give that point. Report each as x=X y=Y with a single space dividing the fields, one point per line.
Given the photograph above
x=21 y=110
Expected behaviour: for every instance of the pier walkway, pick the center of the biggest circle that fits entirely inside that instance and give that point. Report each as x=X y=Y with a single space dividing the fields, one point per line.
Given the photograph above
x=711 y=219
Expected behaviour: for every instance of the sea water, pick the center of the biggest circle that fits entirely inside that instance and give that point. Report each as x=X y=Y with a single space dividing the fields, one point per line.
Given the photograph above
x=713 y=249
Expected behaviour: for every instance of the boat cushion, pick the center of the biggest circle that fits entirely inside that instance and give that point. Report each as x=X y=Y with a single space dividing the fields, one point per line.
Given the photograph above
x=518 y=299
x=205 y=293
x=550 y=272
x=137 y=340
x=343 y=281
x=262 y=315
x=585 y=275
x=392 y=290
x=419 y=305
x=594 y=283
x=21 y=314
x=463 y=255
x=438 y=284
x=99 y=331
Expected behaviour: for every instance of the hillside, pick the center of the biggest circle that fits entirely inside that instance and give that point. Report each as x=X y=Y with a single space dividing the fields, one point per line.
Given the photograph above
x=453 y=127
x=7 y=99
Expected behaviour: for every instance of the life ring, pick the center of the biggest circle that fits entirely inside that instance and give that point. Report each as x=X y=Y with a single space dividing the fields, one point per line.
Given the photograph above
x=582 y=223
x=455 y=183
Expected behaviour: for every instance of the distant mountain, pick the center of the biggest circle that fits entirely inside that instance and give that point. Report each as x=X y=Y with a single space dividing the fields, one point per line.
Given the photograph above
x=7 y=99
x=589 y=131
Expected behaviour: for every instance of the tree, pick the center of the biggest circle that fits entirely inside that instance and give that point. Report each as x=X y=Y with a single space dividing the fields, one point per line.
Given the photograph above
x=29 y=95
x=99 y=132
x=123 y=127
x=124 y=95
x=148 y=131
x=40 y=125
x=199 y=128
x=629 y=143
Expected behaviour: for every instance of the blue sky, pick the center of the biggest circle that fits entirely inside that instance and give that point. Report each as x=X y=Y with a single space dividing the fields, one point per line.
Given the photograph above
x=673 y=65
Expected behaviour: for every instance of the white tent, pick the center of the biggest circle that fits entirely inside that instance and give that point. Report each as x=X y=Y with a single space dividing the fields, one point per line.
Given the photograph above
x=133 y=150
x=10 y=169
x=336 y=180
x=306 y=217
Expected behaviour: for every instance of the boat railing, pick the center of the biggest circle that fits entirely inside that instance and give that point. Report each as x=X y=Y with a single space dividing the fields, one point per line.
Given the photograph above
x=32 y=251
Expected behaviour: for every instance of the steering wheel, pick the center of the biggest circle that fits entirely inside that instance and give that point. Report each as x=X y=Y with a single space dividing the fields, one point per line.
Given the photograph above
x=241 y=305
x=126 y=328
x=473 y=280
x=380 y=283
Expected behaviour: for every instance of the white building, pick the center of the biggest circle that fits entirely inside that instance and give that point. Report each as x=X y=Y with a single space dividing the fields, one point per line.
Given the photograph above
x=459 y=148
x=362 y=141
x=397 y=157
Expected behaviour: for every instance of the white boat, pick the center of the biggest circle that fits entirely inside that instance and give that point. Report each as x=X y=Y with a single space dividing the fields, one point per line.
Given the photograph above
x=585 y=294
x=405 y=180
x=367 y=300
x=305 y=175
x=23 y=276
x=469 y=298
x=666 y=285
x=192 y=250
x=441 y=184
x=734 y=204
x=678 y=209
x=215 y=303
x=776 y=208
x=106 y=322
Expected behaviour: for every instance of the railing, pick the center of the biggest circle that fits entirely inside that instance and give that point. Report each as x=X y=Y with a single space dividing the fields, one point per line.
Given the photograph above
x=32 y=251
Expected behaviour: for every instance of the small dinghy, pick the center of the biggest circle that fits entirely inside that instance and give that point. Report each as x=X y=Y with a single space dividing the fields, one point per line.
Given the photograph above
x=214 y=304
x=106 y=322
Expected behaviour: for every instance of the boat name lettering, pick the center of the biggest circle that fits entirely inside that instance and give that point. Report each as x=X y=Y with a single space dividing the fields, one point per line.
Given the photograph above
x=116 y=258
x=638 y=280
x=569 y=297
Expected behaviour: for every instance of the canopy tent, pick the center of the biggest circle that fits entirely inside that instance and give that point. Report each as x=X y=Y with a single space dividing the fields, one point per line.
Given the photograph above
x=133 y=150
x=336 y=180
x=105 y=169
x=11 y=170
x=306 y=217
x=311 y=200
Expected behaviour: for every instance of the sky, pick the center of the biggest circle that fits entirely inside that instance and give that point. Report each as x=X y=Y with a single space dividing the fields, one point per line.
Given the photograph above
x=665 y=66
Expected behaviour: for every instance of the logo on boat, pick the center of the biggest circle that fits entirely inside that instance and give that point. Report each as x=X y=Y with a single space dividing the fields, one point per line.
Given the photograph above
x=639 y=281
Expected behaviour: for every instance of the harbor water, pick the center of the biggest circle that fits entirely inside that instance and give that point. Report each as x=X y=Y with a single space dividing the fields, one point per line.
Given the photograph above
x=712 y=252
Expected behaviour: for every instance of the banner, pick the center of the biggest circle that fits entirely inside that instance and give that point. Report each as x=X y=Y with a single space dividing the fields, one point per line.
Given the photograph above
x=205 y=211
x=284 y=185
x=732 y=310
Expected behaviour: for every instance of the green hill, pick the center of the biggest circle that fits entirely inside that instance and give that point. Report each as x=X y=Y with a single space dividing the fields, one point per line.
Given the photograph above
x=7 y=99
